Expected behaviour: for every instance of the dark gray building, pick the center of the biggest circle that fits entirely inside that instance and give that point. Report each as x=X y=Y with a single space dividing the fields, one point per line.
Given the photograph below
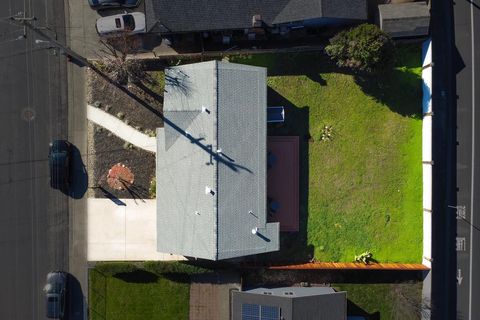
x=404 y=19
x=167 y=16
x=211 y=163
x=289 y=303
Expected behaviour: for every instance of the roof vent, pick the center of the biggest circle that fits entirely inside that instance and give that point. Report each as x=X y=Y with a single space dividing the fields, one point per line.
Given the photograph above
x=197 y=213
x=257 y=21
x=205 y=110
x=209 y=190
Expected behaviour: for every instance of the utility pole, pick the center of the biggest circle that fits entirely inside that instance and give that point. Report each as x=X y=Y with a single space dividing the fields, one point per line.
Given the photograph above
x=23 y=20
x=27 y=24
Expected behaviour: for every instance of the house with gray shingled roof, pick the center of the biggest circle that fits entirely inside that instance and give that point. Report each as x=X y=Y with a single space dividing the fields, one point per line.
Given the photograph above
x=167 y=16
x=401 y=20
x=211 y=163
x=289 y=303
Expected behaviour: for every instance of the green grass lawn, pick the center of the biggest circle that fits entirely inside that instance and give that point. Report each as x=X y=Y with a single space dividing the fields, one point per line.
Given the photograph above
x=143 y=297
x=383 y=301
x=362 y=190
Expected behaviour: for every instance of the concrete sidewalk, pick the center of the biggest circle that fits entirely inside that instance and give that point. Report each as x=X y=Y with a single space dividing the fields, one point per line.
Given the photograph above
x=121 y=130
x=123 y=232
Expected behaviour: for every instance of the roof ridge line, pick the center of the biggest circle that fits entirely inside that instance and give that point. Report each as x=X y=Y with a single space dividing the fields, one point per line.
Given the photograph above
x=215 y=145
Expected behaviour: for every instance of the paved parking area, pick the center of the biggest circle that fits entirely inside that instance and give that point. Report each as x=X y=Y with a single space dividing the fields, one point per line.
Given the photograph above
x=124 y=230
x=83 y=36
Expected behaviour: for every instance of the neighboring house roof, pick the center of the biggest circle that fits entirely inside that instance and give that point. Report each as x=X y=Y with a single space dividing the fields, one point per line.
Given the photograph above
x=214 y=139
x=204 y=15
x=404 y=19
x=319 y=303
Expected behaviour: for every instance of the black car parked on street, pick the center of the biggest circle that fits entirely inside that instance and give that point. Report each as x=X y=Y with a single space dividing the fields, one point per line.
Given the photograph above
x=59 y=163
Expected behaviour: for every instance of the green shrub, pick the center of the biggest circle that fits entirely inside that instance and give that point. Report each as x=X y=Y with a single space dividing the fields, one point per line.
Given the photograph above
x=153 y=188
x=113 y=268
x=365 y=48
x=365 y=257
x=172 y=267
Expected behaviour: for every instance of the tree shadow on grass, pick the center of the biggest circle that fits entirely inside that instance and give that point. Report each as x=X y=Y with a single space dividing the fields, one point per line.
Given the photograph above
x=399 y=89
x=137 y=276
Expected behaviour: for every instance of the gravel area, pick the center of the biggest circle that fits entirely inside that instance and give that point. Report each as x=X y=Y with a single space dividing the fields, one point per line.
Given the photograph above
x=139 y=106
x=106 y=150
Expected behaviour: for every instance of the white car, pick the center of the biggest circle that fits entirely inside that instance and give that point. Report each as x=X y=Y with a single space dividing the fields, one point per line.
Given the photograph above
x=130 y=23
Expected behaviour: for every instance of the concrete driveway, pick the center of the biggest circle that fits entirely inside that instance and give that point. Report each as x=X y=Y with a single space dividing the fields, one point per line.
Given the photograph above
x=123 y=231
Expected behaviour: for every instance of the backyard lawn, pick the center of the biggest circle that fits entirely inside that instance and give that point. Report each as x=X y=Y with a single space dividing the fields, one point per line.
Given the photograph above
x=138 y=295
x=361 y=187
x=384 y=301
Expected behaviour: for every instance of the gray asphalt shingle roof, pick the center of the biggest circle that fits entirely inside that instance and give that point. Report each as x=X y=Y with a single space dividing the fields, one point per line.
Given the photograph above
x=404 y=19
x=203 y=15
x=292 y=302
x=214 y=137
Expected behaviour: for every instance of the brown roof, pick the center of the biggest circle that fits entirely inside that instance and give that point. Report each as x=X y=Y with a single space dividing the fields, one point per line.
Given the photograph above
x=282 y=180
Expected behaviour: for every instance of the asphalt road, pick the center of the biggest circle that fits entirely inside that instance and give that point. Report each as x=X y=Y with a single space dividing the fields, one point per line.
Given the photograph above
x=33 y=111
x=443 y=283
x=467 y=41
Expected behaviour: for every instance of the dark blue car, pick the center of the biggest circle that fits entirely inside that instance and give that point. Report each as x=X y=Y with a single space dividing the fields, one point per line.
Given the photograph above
x=59 y=163
x=105 y=4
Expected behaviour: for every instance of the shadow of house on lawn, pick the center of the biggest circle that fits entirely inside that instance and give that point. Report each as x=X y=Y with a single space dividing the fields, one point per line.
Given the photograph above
x=293 y=245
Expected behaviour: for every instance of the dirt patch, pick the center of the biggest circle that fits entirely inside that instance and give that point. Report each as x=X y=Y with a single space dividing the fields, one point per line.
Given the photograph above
x=107 y=150
x=210 y=296
x=138 y=105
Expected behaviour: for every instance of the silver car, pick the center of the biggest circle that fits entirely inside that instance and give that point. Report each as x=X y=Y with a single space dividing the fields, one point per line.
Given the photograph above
x=55 y=290
x=115 y=25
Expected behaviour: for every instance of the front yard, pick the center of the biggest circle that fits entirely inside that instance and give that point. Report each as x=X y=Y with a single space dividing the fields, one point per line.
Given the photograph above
x=137 y=295
x=361 y=186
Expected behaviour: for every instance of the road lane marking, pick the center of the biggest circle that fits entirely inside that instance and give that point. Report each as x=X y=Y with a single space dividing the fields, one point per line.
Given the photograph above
x=460 y=244
x=473 y=161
